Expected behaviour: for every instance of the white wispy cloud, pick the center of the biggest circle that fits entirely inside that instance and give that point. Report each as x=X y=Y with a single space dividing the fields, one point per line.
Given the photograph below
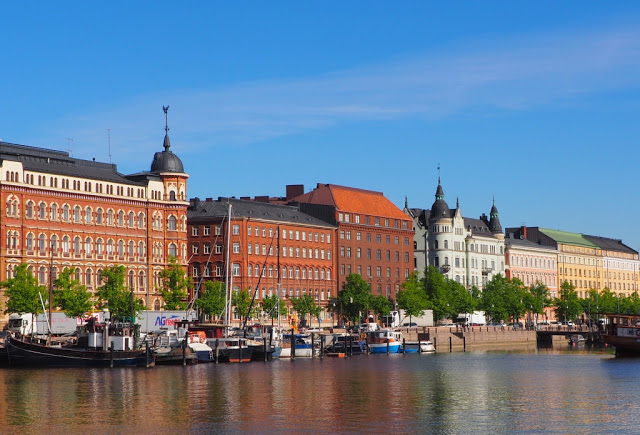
x=490 y=76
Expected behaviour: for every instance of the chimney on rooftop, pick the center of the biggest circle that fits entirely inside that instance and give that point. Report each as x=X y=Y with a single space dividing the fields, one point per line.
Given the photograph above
x=263 y=198
x=294 y=190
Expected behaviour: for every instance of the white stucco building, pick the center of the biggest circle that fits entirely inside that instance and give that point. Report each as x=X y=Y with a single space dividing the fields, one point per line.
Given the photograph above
x=467 y=250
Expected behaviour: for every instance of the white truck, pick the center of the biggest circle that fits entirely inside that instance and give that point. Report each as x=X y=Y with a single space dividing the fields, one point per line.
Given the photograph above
x=22 y=323
x=400 y=319
x=149 y=321
x=477 y=318
x=152 y=321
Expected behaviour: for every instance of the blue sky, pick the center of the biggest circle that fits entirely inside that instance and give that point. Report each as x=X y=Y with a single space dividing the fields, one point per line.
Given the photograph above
x=537 y=103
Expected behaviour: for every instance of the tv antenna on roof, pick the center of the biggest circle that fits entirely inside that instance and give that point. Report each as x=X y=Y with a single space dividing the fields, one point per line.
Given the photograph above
x=109 y=142
x=69 y=140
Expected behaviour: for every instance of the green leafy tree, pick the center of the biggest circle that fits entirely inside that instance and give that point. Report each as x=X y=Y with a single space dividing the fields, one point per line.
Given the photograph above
x=270 y=306
x=23 y=292
x=568 y=305
x=354 y=297
x=174 y=286
x=517 y=299
x=462 y=300
x=305 y=305
x=538 y=298
x=72 y=297
x=242 y=300
x=211 y=299
x=412 y=298
x=630 y=304
x=115 y=297
x=438 y=293
x=493 y=299
x=380 y=305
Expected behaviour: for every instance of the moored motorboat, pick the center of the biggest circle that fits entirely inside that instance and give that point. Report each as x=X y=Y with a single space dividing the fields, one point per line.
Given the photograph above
x=425 y=346
x=384 y=341
x=576 y=339
x=622 y=332
x=96 y=345
x=303 y=346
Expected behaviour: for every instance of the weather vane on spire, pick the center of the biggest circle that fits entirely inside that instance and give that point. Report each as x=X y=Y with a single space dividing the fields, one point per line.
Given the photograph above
x=166 y=128
x=438 y=173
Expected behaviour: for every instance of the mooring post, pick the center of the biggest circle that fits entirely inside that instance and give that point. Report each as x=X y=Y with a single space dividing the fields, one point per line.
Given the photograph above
x=450 y=344
x=264 y=347
x=293 y=345
x=321 y=347
x=464 y=344
x=184 y=352
x=313 y=341
x=404 y=345
x=111 y=356
x=217 y=350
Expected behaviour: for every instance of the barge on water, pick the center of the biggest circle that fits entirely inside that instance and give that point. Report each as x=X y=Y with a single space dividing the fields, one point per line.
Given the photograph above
x=96 y=345
x=622 y=332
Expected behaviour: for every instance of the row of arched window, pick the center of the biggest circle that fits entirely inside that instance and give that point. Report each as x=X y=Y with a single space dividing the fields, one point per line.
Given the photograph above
x=86 y=186
x=91 y=277
x=77 y=214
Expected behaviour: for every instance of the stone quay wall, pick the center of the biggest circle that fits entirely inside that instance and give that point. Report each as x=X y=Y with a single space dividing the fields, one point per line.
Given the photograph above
x=472 y=338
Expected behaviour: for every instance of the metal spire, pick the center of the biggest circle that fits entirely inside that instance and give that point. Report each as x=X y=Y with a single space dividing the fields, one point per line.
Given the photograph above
x=167 y=144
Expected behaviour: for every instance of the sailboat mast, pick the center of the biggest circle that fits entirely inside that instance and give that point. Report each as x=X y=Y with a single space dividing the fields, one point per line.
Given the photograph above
x=279 y=286
x=227 y=317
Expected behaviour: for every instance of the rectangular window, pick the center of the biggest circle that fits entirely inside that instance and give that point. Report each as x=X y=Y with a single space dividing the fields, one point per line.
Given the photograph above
x=207 y=248
x=207 y=230
x=218 y=249
x=236 y=248
x=194 y=248
x=194 y=231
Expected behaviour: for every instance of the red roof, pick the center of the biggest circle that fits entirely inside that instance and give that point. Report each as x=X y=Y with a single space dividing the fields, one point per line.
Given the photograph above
x=353 y=200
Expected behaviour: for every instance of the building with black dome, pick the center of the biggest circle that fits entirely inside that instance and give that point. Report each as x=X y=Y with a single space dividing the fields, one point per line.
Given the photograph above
x=62 y=212
x=469 y=251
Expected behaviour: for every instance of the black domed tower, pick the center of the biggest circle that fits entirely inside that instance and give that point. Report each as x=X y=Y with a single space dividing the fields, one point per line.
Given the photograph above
x=169 y=167
x=439 y=209
x=494 y=221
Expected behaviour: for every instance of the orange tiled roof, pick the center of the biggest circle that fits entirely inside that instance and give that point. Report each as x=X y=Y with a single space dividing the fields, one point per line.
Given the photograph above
x=353 y=200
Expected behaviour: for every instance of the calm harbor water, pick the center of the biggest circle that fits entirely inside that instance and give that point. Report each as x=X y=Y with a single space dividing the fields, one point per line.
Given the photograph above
x=526 y=391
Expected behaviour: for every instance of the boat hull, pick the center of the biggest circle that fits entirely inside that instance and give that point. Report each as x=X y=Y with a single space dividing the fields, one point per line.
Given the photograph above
x=382 y=348
x=22 y=353
x=422 y=347
x=623 y=345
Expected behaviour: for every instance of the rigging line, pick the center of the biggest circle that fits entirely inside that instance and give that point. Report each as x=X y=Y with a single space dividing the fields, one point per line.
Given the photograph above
x=201 y=277
x=264 y=267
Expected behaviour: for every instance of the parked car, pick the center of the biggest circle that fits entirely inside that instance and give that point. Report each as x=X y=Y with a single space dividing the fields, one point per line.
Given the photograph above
x=567 y=323
x=409 y=324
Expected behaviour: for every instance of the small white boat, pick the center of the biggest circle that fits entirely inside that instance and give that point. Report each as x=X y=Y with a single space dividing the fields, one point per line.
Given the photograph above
x=384 y=340
x=576 y=339
x=425 y=346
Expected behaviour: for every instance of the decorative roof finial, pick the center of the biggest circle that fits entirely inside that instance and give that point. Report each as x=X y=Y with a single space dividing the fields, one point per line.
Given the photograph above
x=438 y=173
x=167 y=144
x=457 y=202
x=406 y=202
x=494 y=199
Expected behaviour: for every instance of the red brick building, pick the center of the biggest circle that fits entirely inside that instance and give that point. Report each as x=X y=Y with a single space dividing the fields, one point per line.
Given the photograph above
x=62 y=212
x=306 y=251
x=375 y=238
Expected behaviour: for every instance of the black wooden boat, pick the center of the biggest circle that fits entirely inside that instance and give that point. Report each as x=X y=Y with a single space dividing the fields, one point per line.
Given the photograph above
x=90 y=349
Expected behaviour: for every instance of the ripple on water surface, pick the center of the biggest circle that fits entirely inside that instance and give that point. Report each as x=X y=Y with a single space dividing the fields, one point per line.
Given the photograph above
x=490 y=392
